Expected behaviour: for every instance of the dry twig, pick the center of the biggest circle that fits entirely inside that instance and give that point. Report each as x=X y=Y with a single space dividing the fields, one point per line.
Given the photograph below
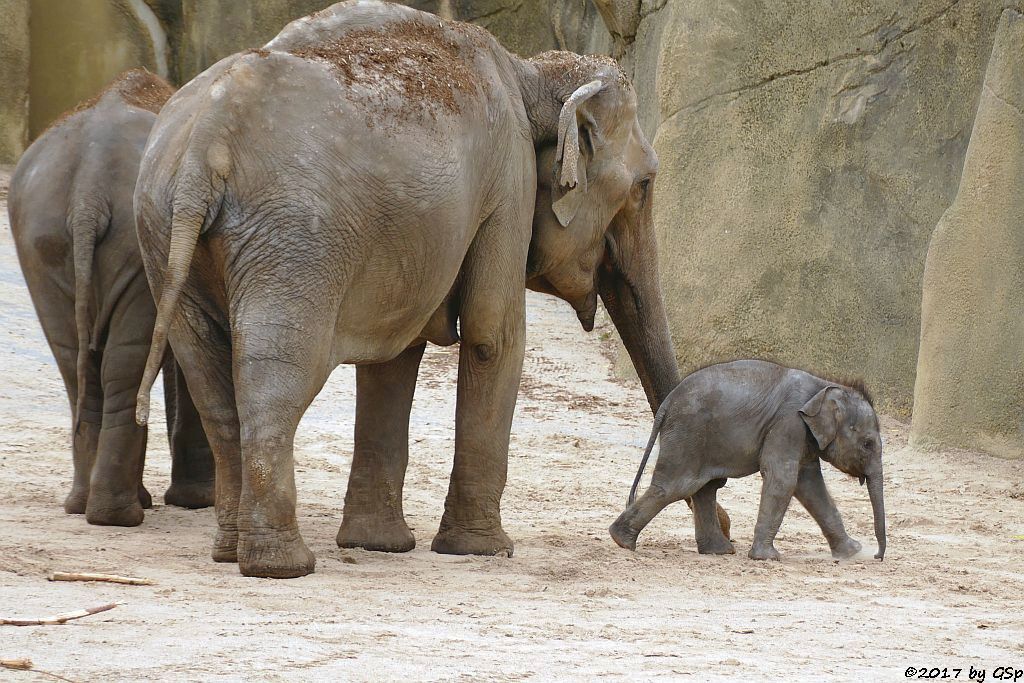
x=21 y=664
x=109 y=578
x=59 y=618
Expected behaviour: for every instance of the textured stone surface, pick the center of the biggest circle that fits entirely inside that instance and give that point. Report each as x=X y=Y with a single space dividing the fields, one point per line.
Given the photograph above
x=970 y=374
x=807 y=150
x=212 y=30
x=14 y=61
x=78 y=47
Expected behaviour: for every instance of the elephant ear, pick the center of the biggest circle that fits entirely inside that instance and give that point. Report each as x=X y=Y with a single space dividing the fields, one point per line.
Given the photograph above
x=821 y=415
x=570 y=186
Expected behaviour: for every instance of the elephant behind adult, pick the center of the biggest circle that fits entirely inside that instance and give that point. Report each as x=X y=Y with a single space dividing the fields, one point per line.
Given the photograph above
x=71 y=215
x=348 y=193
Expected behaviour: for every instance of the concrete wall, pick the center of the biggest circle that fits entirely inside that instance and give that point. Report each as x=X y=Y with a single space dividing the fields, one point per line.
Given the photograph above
x=78 y=47
x=970 y=374
x=14 y=65
x=807 y=151
x=808 y=147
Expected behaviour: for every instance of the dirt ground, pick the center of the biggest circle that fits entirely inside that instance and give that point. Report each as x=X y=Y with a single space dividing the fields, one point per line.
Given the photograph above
x=568 y=605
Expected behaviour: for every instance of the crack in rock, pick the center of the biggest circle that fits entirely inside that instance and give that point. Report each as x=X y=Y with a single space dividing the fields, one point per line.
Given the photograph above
x=1016 y=110
x=886 y=42
x=487 y=15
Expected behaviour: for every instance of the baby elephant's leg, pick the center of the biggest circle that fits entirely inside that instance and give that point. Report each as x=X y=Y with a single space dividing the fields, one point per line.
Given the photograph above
x=674 y=478
x=631 y=522
x=812 y=494
x=780 y=467
x=711 y=539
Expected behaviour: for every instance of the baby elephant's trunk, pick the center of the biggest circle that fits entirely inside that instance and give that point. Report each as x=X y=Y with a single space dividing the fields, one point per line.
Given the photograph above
x=877 y=507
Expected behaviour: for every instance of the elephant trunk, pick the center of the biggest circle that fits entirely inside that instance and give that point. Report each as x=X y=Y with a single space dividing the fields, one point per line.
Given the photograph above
x=877 y=507
x=631 y=291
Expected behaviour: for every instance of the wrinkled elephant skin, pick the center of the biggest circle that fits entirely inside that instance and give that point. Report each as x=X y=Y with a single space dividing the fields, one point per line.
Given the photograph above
x=371 y=177
x=73 y=224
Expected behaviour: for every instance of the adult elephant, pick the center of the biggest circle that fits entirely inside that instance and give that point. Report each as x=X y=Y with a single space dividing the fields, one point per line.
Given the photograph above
x=73 y=225
x=348 y=193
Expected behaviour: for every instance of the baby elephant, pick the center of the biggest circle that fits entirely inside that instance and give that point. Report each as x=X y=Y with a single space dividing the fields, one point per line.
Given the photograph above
x=737 y=418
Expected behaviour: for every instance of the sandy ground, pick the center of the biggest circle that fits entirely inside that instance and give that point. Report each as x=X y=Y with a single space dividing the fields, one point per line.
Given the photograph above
x=568 y=605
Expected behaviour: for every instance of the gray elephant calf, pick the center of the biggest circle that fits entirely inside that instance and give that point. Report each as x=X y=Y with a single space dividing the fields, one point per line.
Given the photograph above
x=737 y=418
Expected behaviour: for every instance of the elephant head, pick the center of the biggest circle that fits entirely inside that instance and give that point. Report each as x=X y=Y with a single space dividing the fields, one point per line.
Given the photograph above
x=845 y=427
x=593 y=233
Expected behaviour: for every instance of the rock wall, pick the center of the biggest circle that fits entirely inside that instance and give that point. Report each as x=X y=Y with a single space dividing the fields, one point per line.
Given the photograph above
x=78 y=47
x=970 y=374
x=807 y=150
x=14 y=60
x=807 y=147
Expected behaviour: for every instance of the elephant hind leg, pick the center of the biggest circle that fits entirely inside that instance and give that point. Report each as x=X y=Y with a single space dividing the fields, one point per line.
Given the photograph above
x=711 y=536
x=192 y=466
x=281 y=362
x=116 y=494
x=202 y=347
x=85 y=438
x=373 y=517
x=625 y=530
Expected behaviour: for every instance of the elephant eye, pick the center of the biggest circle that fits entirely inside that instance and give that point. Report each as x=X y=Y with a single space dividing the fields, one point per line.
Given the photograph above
x=869 y=444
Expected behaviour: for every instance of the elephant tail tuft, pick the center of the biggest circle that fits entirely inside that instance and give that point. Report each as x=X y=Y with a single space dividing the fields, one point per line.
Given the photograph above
x=659 y=419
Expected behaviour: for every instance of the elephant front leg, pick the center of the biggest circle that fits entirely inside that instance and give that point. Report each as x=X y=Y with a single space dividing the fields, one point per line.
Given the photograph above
x=490 y=365
x=813 y=495
x=780 y=466
x=192 y=467
x=373 y=517
x=776 y=492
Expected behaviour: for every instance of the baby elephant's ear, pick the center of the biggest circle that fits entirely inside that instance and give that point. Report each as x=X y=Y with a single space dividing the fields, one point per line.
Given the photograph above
x=821 y=414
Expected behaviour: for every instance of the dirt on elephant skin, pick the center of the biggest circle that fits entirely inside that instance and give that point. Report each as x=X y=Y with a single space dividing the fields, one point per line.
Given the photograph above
x=569 y=605
x=421 y=61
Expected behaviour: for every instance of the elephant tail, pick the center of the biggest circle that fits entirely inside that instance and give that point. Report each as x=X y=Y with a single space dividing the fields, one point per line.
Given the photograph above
x=197 y=199
x=659 y=419
x=88 y=222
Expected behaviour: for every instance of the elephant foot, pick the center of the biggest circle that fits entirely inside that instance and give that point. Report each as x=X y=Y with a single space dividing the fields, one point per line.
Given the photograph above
x=715 y=546
x=76 y=501
x=845 y=549
x=763 y=551
x=106 y=511
x=145 y=498
x=458 y=541
x=623 y=536
x=225 y=546
x=192 y=494
x=274 y=554
x=373 y=533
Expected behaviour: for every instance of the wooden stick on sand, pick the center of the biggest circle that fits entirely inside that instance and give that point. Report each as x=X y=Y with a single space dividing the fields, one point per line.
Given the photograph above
x=109 y=578
x=59 y=618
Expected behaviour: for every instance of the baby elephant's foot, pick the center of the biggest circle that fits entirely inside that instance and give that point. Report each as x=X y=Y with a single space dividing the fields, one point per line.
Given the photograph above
x=763 y=551
x=719 y=545
x=191 y=495
x=382 y=534
x=845 y=549
x=623 y=536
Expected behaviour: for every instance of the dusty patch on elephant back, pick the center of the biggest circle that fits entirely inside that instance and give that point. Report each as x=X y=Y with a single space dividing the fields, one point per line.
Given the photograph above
x=136 y=87
x=572 y=69
x=419 y=60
